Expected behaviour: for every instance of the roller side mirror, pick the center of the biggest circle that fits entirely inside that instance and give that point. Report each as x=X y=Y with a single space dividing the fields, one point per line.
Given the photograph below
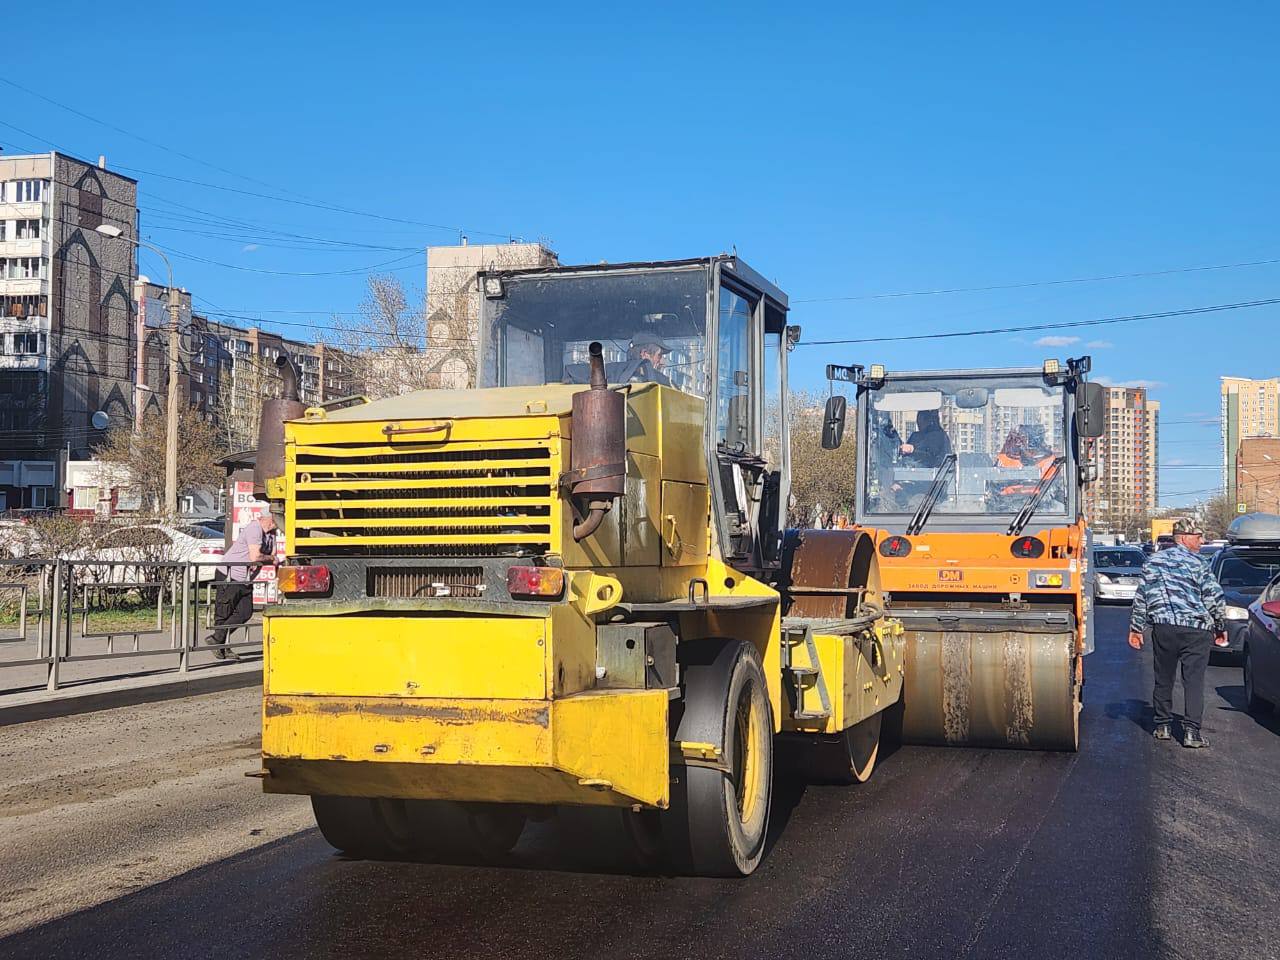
x=1091 y=410
x=833 y=422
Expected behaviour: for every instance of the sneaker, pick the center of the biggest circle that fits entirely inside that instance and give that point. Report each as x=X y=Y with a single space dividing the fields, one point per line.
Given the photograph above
x=1162 y=732
x=1193 y=738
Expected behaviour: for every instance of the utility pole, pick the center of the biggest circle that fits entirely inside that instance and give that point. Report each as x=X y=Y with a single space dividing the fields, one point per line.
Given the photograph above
x=171 y=414
x=171 y=411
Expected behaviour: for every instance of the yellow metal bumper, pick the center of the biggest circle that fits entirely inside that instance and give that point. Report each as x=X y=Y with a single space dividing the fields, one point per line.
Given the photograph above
x=608 y=748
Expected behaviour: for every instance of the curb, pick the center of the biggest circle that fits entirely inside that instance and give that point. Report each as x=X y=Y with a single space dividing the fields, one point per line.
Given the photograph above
x=127 y=692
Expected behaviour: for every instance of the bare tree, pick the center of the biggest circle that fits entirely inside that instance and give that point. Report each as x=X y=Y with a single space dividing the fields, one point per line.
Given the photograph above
x=819 y=478
x=143 y=456
x=386 y=346
x=238 y=406
x=1218 y=513
x=401 y=340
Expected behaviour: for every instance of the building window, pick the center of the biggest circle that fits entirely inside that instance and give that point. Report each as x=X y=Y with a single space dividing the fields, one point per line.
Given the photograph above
x=25 y=230
x=25 y=191
x=28 y=344
x=23 y=268
x=40 y=497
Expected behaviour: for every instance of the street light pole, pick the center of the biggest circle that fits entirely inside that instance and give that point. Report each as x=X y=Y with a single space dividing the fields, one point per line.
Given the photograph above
x=171 y=414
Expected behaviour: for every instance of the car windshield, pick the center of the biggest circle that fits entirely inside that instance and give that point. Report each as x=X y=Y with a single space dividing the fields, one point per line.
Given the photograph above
x=651 y=323
x=1133 y=559
x=1007 y=434
x=1251 y=571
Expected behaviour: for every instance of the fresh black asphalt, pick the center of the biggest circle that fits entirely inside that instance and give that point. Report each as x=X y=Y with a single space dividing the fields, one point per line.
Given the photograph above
x=1127 y=849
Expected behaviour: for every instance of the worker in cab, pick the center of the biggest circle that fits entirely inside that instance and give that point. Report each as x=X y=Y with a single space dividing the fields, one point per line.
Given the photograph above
x=1023 y=448
x=928 y=445
x=646 y=355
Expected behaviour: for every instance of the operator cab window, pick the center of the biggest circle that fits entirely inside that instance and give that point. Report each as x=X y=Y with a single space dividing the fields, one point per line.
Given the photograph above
x=733 y=373
x=989 y=441
x=651 y=324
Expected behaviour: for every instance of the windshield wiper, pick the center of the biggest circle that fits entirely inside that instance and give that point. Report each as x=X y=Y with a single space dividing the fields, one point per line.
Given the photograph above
x=1033 y=501
x=931 y=497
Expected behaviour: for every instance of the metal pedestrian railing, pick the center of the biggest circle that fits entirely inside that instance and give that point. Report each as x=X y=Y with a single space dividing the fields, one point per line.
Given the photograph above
x=58 y=613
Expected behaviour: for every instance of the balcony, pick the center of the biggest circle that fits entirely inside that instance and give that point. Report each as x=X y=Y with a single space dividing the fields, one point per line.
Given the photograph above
x=24 y=287
x=25 y=362
x=29 y=210
x=13 y=247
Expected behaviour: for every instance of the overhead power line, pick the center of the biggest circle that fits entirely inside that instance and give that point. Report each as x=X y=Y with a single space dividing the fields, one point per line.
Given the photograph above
x=1064 y=325
x=1041 y=283
x=313 y=204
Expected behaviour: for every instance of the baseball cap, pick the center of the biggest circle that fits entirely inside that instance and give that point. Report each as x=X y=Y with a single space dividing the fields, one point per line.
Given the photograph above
x=1187 y=528
x=644 y=338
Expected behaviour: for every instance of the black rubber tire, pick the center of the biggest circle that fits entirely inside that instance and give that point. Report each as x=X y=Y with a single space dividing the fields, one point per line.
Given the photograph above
x=363 y=828
x=643 y=830
x=845 y=758
x=718 y=820
x=1252 y=702
x=495 y=828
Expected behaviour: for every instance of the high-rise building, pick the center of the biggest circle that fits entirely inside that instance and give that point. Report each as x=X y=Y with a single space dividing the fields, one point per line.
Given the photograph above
x=66 y=333
x=1250 y=408
x=1127 y=456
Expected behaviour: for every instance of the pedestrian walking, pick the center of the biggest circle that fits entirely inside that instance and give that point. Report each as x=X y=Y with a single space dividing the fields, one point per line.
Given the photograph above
x=233 y=583
x=1182 y=603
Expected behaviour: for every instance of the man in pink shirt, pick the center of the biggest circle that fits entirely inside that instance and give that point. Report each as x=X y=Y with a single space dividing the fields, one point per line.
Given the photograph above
x=233 y=583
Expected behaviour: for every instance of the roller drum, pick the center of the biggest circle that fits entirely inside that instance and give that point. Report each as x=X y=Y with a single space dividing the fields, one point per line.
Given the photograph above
x=990 y=687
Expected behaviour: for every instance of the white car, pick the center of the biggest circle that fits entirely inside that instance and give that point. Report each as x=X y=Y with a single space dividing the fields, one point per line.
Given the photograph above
x=153 y=543
x=18 y=540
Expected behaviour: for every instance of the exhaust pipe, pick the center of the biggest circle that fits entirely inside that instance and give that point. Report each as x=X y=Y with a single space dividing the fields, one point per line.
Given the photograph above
x=269 y=463
x=597 y=449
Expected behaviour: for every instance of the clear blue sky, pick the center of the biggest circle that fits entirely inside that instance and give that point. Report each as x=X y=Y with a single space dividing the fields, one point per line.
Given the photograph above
x=843 y=153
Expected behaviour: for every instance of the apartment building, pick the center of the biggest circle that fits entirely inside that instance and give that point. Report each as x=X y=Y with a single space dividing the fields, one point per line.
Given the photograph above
x=1127 y=455
x=66 y=332
x=1250 y=408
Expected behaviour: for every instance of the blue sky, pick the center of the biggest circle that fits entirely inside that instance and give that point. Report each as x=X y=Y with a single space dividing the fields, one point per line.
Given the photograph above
x=846 y=151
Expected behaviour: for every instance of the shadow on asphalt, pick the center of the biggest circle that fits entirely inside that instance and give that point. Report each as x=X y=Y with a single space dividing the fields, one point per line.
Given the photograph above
x=1234 y=695
x=1136 y=711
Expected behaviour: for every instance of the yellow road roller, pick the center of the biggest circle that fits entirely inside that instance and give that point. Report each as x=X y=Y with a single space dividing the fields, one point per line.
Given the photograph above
x=570 y=586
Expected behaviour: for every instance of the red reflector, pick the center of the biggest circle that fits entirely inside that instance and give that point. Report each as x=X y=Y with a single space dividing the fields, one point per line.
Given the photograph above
x=1027 y=548
x=311 y=578
x=535 y=581
x=895 y=547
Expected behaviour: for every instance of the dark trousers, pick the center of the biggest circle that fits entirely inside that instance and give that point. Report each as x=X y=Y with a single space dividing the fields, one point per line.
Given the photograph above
x=232 y=606
x=1189 y=647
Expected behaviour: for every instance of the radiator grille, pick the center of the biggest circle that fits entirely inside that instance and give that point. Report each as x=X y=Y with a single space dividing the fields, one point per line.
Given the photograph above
x=456 y=499
x=426 y=582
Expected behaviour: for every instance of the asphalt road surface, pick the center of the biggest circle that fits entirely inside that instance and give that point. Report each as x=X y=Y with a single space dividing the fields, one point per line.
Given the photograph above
x=134 y=833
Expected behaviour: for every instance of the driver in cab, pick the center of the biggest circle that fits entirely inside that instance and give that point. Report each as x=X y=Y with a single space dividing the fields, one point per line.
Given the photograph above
x=646 y=354
x=928 y=445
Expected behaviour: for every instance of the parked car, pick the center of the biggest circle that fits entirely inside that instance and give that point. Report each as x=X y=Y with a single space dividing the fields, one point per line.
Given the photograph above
x=1244 y=567
x=1262 y=650
x=18 y=540
x=1117 y=571
x=154 y=543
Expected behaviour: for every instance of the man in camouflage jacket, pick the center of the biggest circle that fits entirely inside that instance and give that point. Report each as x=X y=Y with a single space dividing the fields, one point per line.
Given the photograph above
x=1182 y=603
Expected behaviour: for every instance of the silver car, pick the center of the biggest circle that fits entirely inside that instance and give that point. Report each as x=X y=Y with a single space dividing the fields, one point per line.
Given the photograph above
x=1117 y=571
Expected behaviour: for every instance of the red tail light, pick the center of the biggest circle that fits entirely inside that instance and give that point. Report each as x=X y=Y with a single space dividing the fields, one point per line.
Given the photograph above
x=535 y=581
x=311 y=578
